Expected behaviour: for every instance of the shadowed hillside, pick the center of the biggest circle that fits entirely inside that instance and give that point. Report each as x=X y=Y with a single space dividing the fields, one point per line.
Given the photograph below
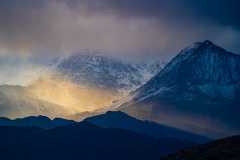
x=82 y=141
x=225 y=149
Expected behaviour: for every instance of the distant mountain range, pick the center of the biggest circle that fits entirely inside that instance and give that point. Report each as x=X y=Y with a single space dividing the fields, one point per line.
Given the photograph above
x=224 y=149
x=198 y=90
x=71 y=82
x=118 y=120
x=36 y=121
x=195 y=94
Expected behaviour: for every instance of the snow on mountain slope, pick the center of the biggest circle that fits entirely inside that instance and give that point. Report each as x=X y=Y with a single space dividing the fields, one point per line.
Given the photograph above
x=74 y=86
x=198 y=90
x=203 y=67
x=107 y=72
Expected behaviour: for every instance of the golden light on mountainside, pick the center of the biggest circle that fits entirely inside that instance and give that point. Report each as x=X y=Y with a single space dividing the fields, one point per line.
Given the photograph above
x=74 y=98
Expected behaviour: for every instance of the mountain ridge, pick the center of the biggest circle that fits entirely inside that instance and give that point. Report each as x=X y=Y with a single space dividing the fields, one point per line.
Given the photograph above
x=81 y=140
x=35 y=121
x=186 y=55
x=202 y=84
x=117 y=119
x=107 y=72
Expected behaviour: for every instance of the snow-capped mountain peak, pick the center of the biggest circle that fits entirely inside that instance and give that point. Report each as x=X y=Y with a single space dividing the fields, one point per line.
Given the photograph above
x=201 y=47
x=202 y=65
x=198 y=90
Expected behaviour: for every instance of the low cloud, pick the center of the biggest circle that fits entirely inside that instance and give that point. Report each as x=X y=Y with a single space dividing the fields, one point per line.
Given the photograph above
x=162 y=28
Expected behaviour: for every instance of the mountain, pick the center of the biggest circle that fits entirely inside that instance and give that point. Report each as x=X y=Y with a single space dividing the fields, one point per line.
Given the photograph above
x=197 y=90
x=52 y=98
x=123 y=121
x=36 y=121
x=75 y=87
x=106 y=72
x=82 y=141
x=110 y=119
x=17 y=101
x=224 y=149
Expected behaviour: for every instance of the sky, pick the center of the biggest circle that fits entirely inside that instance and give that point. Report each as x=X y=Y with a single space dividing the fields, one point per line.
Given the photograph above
x=161 y=28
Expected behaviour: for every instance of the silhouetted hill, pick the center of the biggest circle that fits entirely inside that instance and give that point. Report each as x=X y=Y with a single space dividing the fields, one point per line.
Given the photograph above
x=82 y=141
x=225 y=149
x=36 y=121
x=124 y=121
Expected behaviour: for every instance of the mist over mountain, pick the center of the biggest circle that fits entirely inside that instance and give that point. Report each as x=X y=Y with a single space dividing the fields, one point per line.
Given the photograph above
x=193 y=97
x=111 y=80
x=75 y=85
x=198 y=90
x=18 y=101
x=53 y=98
x=101 y=71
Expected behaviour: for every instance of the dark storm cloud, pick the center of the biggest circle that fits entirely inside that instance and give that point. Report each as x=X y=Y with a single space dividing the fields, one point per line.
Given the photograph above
x=158 y=26
x=225 y=12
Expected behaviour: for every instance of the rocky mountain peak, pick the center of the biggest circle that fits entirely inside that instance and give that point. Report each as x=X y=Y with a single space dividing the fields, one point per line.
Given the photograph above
x=202 y=65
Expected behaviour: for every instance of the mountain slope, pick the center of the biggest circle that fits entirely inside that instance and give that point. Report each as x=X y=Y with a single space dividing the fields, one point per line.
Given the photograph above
x=224 y=149
x=123 y=121
x=198 y=90
x=52 y=98
x=17 y=101
x=75 y=87
x=106 y=72
x=203 y=65
x=81 y=141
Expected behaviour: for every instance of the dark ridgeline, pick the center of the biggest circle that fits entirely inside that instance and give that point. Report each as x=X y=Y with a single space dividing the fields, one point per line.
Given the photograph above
x=224 y=149
x=36 y=121
x=111 y=119
x=82 y=141
x=123 y=121
x=113 y=135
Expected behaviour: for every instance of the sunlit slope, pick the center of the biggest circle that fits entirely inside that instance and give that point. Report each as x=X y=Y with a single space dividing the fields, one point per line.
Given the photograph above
x=15 y=101
x=74 y=98
x=52 y=98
